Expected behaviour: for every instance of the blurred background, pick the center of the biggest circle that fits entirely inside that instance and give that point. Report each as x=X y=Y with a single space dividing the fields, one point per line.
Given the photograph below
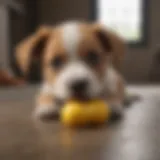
x=134 y=137
x=137 y=21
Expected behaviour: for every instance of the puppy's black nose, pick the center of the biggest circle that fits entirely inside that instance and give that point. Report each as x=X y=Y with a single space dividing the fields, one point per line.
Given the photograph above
x=79 y=85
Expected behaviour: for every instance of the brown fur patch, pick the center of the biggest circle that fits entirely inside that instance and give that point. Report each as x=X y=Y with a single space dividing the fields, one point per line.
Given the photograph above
x=25 y=49
x=117 y=45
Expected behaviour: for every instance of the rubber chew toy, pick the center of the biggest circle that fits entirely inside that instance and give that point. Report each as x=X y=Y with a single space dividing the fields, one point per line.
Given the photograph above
x=76 y=113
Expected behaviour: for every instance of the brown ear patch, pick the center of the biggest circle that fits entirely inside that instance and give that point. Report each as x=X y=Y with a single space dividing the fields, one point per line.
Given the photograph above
x=38 y=50
x=112 y=43
x=104 y=41
x=29 y=53
x=35 y=67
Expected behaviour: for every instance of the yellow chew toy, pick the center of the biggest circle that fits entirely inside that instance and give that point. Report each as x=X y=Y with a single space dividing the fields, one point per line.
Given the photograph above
x=76 y=113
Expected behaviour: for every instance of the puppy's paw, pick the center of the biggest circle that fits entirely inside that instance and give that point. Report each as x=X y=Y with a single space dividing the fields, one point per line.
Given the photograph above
x=46 y=112
x=117 y=110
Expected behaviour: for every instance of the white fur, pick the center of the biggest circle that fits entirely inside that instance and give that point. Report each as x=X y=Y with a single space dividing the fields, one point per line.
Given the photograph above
x=45 y=110
x=111 y=86
x=75 y=71
x=71 y=38
x=111 y=80
x=78 y=70
x=46 y=89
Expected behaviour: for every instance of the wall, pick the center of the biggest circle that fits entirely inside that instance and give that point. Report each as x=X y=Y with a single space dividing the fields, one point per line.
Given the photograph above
x=13 y=27
x=138 y=60
x=4 y=41
x=53 y=11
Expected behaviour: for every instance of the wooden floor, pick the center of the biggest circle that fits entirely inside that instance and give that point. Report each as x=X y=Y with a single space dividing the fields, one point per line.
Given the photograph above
x=135 y=137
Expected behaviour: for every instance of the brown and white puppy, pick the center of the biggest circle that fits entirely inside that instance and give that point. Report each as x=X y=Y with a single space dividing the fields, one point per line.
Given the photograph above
x=79 y=60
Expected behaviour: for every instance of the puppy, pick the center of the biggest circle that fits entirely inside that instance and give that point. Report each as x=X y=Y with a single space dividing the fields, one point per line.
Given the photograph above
x=79 y=61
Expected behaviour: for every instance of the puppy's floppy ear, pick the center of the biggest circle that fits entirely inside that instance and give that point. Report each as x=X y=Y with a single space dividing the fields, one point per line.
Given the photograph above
x=32 y=48
x=112 y=44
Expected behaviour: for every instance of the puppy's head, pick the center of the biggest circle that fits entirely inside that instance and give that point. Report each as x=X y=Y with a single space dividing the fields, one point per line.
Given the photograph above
x=75 y=58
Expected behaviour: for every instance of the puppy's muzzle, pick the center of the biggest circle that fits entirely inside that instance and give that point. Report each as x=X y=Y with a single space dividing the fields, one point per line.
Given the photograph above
x=79 y=88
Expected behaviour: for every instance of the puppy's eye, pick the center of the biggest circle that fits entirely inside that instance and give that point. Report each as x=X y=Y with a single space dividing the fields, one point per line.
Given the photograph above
x=93 y=58
x=57 y=62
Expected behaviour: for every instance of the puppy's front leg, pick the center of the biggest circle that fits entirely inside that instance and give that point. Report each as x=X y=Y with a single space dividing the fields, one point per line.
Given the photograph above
x=116 y=97
x=46 y=107
x=116 y=106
